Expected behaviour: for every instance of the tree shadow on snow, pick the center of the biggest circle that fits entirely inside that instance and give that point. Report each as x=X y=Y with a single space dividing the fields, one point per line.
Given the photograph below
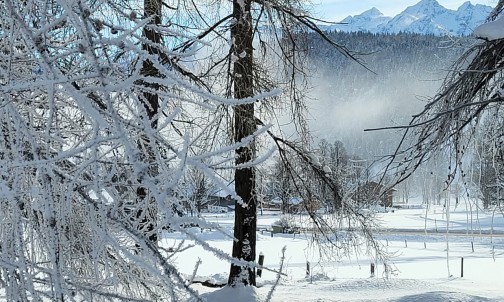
x=442 y=296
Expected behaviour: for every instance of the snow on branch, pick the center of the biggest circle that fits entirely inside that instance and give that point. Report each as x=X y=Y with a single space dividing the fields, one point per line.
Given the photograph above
x=85 y=168
x=490 y=31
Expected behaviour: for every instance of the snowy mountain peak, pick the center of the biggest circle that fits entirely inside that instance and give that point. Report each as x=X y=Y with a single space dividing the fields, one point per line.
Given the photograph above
x=370 y=20
x=425 y=17
x=427 y=3
x=465 y=5
x=373 y=12
x=425 y=6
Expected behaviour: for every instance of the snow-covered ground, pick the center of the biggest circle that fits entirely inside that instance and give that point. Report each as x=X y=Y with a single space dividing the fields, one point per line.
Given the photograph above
x=425 y=266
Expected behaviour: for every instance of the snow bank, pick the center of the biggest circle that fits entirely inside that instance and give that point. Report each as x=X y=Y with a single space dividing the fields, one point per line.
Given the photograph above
x=441 y=297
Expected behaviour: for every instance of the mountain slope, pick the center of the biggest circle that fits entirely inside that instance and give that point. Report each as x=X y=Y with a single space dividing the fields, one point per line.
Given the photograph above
x=371 y=20
x=425 y=17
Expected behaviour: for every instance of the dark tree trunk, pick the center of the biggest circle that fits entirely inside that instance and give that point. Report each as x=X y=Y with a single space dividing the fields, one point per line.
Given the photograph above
x=147 y=213
x=244 y=125
x=152 y=9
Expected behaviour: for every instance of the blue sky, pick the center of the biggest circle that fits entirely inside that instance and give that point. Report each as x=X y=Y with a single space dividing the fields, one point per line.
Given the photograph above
x=336 y=10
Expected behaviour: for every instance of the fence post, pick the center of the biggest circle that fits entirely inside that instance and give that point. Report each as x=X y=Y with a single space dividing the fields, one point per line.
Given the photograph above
x=462 y=267
x=372 y=270
x=405 y=243
x=472 y=246
x=261 y=262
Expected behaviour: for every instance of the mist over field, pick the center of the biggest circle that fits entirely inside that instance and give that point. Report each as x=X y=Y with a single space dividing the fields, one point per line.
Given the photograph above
x=400 y=73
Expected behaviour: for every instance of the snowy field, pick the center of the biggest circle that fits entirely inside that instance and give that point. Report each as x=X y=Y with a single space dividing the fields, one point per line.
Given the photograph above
x=426 y=267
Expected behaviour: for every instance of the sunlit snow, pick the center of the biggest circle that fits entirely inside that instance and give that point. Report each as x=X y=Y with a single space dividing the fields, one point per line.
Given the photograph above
x=423 y=268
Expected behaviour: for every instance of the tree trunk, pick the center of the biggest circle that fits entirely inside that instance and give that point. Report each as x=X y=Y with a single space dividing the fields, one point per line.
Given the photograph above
x=244 y=125
x=147 y=212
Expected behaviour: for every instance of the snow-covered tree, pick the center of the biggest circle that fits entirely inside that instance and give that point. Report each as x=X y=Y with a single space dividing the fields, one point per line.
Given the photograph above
x=106 y=107
x=94 y=142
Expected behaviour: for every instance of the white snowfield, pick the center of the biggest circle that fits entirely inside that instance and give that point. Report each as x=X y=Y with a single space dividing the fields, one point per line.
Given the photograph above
x=426 y=266
x=426 y=247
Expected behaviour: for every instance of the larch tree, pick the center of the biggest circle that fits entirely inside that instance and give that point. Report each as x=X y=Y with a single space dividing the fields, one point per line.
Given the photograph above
x=278 y=28
x=242 y=77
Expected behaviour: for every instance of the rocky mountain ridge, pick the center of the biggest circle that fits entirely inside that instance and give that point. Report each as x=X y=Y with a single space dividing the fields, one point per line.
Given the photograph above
x=426 y=17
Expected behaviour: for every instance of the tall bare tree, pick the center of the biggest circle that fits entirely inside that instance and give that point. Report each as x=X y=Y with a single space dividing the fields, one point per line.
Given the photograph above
x=242 y=77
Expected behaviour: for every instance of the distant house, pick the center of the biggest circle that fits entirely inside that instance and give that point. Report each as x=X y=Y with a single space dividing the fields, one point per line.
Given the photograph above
x=219 y=204
x=374 y=193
